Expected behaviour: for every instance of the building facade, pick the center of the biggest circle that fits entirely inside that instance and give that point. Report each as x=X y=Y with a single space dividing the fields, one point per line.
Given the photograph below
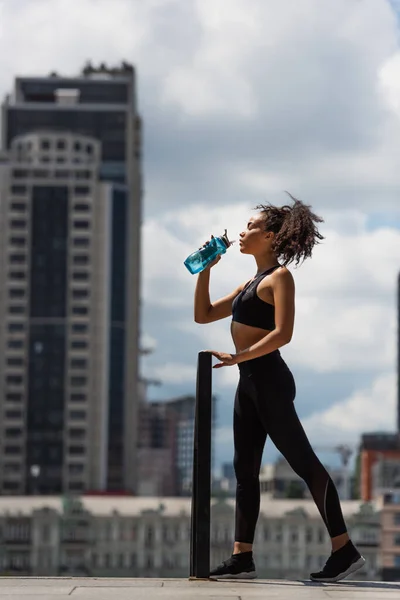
x=390 y=547
x=150 y=537
x=70 y=253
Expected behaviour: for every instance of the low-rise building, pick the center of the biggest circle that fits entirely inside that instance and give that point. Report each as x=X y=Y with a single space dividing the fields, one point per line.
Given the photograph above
x=108 y=536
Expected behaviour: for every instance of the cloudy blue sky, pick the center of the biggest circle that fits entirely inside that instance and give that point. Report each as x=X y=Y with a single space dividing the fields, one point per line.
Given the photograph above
x=242 y=99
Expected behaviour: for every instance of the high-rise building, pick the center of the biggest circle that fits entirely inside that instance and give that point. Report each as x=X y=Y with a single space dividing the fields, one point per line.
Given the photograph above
x=165 y=448
x=69 y=283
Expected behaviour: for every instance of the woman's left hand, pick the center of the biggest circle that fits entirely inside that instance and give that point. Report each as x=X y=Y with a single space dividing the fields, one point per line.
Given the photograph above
x=227 y=360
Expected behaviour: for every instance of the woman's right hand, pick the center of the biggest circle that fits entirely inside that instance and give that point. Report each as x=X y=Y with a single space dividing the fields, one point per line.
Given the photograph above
x=214 y=262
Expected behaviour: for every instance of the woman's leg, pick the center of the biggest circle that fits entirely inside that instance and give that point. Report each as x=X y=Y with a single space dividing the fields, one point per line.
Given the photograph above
x=277 y=411
x=249 y=442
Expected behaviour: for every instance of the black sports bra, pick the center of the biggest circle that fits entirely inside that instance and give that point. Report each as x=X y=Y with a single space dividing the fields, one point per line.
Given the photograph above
x=249 y=309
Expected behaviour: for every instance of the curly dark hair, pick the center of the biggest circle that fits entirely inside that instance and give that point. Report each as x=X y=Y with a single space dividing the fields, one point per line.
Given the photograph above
x=294 y=228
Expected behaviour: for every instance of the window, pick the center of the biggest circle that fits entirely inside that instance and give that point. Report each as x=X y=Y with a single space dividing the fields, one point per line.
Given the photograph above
x=77 y=415
x=18 y=241
x=77 y=146
x=17 y=293
x=18 y=190
x=45 y=144
x=10 y=468
x=14 y=379
x=18 y=223
x=76 y=469
x=77 y=397
x=80 y=276
x=80 y=310
x=76 y=433
x=16 y=327
x=82 y=190
x=78 y=381
x=13 y=414
x=16 y=310
x=12 y=450
x=60 y=159
x=40 y=173
x=15 y=362
x=76 y=450
x=64 y=174
x=396 y=518
x=89 y=148
x=80 y=259
x=18 y=206
x=83 y=174
x=309 y=535
x=45 y=159
x=20 y=173
x=11 y=486
x=81 y=224
x=17 y=275
x=15 y=344
x=13 y=397
x=19 y=258
x=13 y=432
x=396 y=540
x=76 y=486
x=79 y=328
x=61 y=144
x=80 y=294
x=78 y=363
x=81 y=242
x=81 y=207
x=397 y=560
x=79 y=345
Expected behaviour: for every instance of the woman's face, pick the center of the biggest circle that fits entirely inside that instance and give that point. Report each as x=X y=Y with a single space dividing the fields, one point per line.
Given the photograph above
x=254 y=239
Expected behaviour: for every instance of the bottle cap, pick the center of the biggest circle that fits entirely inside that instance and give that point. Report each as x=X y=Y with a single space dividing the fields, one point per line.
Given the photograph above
x=225 y=239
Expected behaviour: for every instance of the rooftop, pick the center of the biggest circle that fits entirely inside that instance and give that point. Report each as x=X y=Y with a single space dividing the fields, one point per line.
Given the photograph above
x=167 y=506
x=182 y=589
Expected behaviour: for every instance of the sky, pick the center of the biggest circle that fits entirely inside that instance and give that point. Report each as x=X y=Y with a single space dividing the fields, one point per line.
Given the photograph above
x=241 y=100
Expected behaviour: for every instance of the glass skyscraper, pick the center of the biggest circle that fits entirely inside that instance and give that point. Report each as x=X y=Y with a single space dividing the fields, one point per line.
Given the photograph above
x=70 y=273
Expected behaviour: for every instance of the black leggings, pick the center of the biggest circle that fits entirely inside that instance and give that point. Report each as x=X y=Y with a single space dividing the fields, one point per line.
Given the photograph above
x=264 y=406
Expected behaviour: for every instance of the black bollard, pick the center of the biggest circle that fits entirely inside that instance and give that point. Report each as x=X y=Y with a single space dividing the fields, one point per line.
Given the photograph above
x=201 y=484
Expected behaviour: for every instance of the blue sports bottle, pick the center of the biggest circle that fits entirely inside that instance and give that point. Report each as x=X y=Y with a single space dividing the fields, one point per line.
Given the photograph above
x=198 y=260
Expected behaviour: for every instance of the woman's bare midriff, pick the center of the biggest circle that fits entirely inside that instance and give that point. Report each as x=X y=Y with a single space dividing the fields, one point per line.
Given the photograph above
x=244 y=335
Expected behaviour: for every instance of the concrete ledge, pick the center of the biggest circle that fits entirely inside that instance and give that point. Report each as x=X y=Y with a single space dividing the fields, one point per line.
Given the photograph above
x=57 y=588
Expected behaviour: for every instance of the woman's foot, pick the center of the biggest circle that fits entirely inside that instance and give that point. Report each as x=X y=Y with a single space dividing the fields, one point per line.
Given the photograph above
x=238 y=566
x=340 y=564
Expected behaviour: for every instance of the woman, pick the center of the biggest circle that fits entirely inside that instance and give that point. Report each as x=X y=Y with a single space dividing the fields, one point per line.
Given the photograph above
x=262 y=321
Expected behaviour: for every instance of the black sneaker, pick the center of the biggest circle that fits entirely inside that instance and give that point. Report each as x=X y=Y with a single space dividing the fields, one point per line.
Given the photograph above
x=340 y=564
x=238 y=566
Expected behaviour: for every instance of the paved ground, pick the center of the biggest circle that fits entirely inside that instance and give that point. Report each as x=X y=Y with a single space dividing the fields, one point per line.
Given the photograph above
x=35 y=588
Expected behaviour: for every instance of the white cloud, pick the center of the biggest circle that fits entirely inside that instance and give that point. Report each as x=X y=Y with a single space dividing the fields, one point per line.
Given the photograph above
x=345 y=295
x=174 y=372
x=370 y=409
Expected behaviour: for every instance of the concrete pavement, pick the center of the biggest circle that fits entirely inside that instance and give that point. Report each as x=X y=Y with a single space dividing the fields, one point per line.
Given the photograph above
x=46 y=588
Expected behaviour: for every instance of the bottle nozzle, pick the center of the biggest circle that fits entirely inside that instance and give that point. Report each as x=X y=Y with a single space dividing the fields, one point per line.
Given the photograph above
x=225 y=239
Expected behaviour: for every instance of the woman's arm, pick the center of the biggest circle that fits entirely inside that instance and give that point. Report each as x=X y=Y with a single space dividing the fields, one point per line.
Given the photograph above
x=283 y=290
x=204 y=310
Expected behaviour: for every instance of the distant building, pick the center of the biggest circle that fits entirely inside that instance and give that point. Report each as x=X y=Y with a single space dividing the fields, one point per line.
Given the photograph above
x=149 y=537
x=280 y=481
x=165 y=446
x=377 y=452
x=390 y=535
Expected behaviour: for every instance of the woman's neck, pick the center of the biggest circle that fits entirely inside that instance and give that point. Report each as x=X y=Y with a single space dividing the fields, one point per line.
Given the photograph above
x=265 y=262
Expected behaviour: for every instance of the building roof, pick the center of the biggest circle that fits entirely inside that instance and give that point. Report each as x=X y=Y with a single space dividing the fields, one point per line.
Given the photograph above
x=167 y=506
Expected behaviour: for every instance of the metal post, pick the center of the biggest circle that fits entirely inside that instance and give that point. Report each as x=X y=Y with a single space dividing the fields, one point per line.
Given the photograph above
x=201 y=485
